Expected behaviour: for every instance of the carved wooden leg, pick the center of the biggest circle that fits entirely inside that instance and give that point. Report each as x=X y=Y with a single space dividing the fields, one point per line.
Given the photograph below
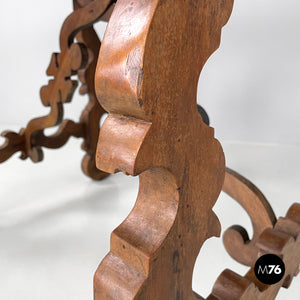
x=146 y=79
x=76 y=58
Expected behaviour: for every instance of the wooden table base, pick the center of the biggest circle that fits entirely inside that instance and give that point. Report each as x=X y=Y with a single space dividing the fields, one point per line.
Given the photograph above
x=77 y=57
x=283 y=240
x=146 y=79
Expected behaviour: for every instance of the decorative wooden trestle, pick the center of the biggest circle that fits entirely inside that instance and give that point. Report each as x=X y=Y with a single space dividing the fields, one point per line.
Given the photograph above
x=146 y=79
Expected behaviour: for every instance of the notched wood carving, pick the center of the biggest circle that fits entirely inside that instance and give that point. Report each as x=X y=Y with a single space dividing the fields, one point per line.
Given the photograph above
x=76 y=58
x=147 y=74
x=121 y=143
x=146 y=78
x=282 y=240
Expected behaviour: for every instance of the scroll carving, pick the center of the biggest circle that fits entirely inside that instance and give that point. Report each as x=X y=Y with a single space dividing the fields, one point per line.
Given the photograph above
x=282 y=240
x=146 y=78
x=76 y=58
x=236 y=239
x=154 y=130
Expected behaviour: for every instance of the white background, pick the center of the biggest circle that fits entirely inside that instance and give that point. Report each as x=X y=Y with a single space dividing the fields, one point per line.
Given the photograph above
x=55 y=222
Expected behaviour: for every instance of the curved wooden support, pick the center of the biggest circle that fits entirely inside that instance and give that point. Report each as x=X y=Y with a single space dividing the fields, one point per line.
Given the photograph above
x=14 y=142
x=90 y=117
x=75 y=59
x=282 y=240
x=236 y=239
x=67 y=129
x=146 y=79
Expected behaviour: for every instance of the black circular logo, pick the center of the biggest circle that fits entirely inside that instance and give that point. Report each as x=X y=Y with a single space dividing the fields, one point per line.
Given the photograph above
x=269 y=269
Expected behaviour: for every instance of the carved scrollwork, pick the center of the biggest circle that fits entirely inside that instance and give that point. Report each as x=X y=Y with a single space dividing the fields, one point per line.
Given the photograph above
x=282 y=240
x=236 y=239
x=146 y=78
x=76 y=58
x=14 y=142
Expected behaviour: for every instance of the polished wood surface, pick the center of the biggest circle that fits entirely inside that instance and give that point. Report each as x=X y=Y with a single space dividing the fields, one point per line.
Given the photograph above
x=146 y=79
x=235 y=238
x=77 y=57
x=282 y=240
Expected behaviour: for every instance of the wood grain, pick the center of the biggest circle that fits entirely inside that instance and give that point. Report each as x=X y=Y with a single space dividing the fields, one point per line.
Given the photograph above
x=146 y=79
x=282 y=240
x=77 y=57
x=236 y=239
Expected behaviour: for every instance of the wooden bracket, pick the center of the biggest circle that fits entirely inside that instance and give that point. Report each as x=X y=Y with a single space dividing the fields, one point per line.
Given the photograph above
x=76 y=58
